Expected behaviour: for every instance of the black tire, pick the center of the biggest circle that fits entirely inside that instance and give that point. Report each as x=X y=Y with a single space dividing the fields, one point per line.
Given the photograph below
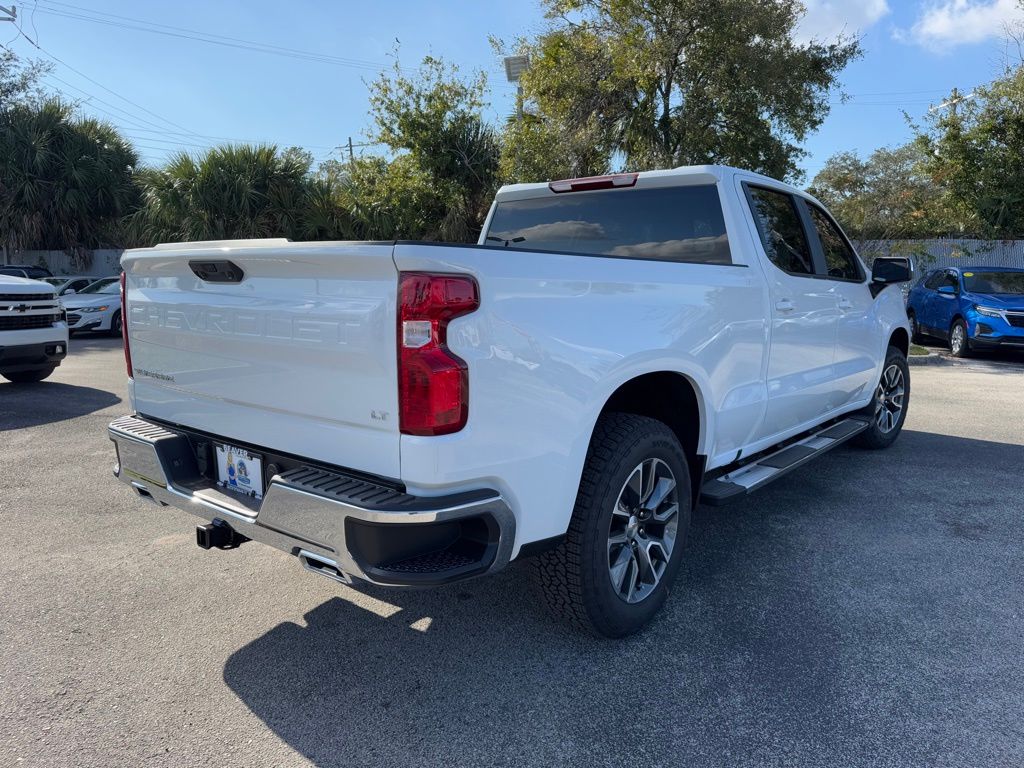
x=576 y=577
x=29 y=377
x=880 y=434
x=959 y=346
x=115 y=324
x=915 y=330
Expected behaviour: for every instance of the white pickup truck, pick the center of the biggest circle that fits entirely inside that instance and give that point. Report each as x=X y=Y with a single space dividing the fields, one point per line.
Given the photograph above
x=33 y=332
x=614 y=350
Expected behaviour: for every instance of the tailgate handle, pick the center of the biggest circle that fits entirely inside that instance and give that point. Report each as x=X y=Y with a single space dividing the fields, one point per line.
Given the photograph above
x=217 y=271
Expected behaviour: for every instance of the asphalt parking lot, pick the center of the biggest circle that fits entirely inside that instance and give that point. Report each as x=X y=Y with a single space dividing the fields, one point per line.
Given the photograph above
x=865 y=611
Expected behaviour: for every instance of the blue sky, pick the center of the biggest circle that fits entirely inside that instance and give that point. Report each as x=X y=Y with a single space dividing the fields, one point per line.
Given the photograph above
x=172 y=93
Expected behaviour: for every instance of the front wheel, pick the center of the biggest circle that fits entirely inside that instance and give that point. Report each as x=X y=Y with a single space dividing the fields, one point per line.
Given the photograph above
x=959 y=344
x=115 y=324
x=623 y=549
x=888 y=409
x=29 y=377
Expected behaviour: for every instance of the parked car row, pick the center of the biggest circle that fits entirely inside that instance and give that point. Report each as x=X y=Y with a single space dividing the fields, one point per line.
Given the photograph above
x=39 y=312
x=91 y=301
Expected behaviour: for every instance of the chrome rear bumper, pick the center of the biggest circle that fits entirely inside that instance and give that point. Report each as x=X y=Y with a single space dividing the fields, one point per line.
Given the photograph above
x=355 y=527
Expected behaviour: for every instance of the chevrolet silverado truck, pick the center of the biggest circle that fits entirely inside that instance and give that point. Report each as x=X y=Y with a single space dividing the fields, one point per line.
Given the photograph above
x=33 y=333
x=614 y=350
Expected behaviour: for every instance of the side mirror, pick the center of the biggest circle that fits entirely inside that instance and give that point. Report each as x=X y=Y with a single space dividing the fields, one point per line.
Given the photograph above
x=949 y=290
x=68 y=292
x=887 y=270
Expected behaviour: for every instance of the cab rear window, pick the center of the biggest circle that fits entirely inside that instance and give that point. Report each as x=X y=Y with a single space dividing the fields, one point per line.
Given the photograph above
x=683 y=224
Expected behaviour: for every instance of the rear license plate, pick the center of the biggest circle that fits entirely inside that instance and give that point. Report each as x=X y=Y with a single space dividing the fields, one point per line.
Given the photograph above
x=240 y=471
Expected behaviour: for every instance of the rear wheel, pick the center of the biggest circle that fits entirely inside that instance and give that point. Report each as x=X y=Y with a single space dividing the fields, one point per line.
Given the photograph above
x=888 y=409
x=621 y=554
x=959 y=343
x=28 y=377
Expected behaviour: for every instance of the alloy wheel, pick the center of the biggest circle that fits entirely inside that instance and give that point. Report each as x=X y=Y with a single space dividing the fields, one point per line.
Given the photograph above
x=957 y=338
x=643 y=528
x=889 y=399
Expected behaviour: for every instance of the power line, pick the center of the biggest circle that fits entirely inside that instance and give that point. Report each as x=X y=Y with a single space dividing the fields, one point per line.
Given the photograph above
x=127 y=22
x=105 y=88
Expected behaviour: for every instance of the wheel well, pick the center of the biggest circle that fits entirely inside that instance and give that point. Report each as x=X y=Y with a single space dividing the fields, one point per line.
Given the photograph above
x=900 y=340
x=670 y=398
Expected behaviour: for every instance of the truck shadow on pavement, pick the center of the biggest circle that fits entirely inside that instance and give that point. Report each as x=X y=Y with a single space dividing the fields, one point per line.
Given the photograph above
x=845 y=616
x=31 y=405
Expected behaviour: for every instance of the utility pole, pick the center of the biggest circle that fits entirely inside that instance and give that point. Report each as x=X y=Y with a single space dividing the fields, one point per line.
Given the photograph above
x=955 y=99
x=351 y=154
x=8 y=13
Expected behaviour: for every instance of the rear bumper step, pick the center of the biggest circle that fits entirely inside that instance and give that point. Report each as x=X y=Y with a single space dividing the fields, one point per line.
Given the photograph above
x=339 y=525
x=762 y=470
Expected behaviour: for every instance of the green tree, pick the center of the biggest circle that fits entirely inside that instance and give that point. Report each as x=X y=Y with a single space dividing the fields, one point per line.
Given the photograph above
x=889 y=196
x=975 y=149
x=239 y=191
x=535 y=148
x=659 y=83
x=20 y=81
x=65 y=182
x=434 y=118
x=395 y=200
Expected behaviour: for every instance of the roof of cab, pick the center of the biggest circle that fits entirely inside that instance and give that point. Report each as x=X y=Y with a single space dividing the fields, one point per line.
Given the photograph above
x=694 y=173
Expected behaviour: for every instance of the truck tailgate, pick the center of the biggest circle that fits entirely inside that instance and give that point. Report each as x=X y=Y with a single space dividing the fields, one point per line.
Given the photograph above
x=299 y=356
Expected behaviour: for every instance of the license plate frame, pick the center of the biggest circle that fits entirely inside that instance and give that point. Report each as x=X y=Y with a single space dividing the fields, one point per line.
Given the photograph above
x=239 y=470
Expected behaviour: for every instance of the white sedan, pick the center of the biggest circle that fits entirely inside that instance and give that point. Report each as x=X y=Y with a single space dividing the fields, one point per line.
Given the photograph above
x=97 y=307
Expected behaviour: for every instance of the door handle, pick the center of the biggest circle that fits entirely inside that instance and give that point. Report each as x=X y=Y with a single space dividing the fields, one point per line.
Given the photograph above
x=845 y=303
x=784 y=305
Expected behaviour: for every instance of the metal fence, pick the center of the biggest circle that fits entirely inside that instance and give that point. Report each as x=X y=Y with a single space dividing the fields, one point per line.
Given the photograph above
x=928 y=254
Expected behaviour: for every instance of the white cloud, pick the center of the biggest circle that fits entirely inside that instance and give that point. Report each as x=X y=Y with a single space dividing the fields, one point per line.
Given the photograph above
x=943 y=25
x=826 y=19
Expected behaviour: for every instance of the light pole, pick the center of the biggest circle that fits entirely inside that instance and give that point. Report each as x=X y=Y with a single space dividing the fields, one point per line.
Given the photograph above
x=514 y=68
x=7 y=14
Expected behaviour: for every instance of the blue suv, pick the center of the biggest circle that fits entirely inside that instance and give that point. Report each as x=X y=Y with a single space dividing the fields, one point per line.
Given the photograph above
x=970 y=307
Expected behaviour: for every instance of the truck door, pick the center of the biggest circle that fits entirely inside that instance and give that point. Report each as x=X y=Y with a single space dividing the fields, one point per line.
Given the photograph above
x=801 y=378
x=856 y=359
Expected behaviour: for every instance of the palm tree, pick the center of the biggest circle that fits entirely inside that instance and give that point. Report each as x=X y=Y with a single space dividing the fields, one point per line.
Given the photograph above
x=65 y=182
x=237 y=191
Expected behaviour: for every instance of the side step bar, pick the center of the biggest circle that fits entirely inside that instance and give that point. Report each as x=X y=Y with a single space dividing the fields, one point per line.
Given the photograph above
x=760 y=471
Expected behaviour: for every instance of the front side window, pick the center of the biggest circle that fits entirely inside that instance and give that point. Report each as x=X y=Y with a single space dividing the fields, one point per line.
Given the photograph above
x=935 y=280
x=782 y=234
x=840 y=260
x=952 y=281
x=682 y=224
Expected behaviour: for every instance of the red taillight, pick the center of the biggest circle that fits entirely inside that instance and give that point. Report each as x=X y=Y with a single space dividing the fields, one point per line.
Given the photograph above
x=124 y=327
x=433 y=384
x=594 y=182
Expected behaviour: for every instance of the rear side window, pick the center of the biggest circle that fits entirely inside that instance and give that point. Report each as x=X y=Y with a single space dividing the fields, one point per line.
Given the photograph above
x=839 y=258
x=682 y=224
x=782 y=234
